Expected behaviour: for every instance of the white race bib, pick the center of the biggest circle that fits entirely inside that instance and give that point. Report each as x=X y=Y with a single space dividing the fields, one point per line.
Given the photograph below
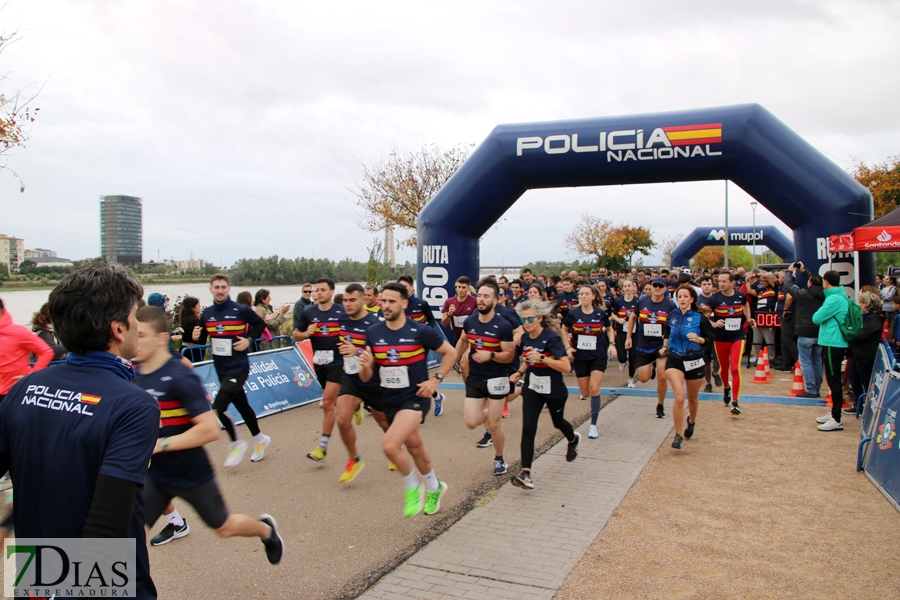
x=221 y=346
x=323 y=357
x=653 y=329
x=732 y=324
x=540 y=384
x=394 y=377
x=690 y=365
x=761 y=303
x=498 y=385
x=458 y=322
x=587 y=342
x=351 y=365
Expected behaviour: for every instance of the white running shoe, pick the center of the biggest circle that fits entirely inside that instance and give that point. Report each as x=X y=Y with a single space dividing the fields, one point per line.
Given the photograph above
x=631 y=383
x=823 y=419
x=831 y=425
x=236 y=453
x=261 y=449
x=592 y=433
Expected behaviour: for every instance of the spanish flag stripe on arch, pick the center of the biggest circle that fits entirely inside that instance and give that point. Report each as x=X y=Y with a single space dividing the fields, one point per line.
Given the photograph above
x=700 y=141
x=693 y=127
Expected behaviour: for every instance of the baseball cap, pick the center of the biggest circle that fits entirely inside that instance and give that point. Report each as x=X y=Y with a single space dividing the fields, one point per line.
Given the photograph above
x=659 y=280
x=156 y=299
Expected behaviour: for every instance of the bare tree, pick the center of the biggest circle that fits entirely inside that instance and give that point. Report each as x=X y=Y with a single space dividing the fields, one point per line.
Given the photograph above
x=667 y=246
x=16 y=114
x=396 y=189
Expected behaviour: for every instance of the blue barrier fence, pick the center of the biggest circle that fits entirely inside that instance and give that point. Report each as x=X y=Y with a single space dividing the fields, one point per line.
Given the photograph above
x=879 y=455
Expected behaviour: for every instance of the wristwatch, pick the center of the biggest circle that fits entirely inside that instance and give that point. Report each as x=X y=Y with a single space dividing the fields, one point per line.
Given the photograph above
x=439 y=376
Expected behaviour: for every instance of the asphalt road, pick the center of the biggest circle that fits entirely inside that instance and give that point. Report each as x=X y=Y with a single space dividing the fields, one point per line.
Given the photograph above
x=340 y=538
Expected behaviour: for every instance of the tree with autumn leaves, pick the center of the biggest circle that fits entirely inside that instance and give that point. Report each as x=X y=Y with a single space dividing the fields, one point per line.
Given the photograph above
x=610 y=245
x=16 y=114
x=883 y=182
x=394 y=190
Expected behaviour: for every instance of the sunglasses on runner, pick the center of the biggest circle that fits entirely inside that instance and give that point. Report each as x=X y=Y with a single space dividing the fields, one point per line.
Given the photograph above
x=658 y=285
x=527 y=319
x=307 y=291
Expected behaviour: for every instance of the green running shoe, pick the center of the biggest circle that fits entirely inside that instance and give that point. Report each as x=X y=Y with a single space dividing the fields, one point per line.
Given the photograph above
x=415 y=500
x=433 y=503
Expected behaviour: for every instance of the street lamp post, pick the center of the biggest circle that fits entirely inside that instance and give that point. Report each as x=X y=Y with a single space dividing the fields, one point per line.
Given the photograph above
x=753 y=205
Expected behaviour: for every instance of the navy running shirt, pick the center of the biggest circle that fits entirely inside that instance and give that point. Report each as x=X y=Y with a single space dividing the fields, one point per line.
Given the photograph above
x=703 y=300
x=62 y=427
x=623 y=309
x=327 y=335
x=510 y=314
x=731 y=310
x=224 y=323
x=487 y=336
x=567 y=301
x=419 y=311
x=401 y=358
x=354 y=331
x=540 y=378
x=588 y=333
x=514 y=302
x=651 y=318
x=181 y=398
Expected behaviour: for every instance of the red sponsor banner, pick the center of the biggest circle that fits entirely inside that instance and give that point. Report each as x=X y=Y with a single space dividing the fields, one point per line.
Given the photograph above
x=841 y=243
x=875 y=239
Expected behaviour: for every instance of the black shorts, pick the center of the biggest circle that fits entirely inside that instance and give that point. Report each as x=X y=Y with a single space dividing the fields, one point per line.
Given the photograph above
x=584 y=368
x=329 y=375
x=205 y=498
x=645 y=358
x=421 y=404
x=477 y=388
x=369 y=394
x=673 y=361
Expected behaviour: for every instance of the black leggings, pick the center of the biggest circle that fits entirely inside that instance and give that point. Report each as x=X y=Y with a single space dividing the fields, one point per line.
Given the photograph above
x=232 y=392
x=623 y=354
x=532 y=405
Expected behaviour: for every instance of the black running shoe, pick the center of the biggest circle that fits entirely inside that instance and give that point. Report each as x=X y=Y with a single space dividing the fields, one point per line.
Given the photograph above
x=708 y=388
x=485 y=441
x=717 y=379
x=735 y=410
x=689 y=430
x=726 y=396
x=660 y=412
x=170 y=532
x=572 y=449
x=274 y=544
x=676 y=443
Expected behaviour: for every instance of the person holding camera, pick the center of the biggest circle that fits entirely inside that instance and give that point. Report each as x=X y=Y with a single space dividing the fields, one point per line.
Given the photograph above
x=807 y=301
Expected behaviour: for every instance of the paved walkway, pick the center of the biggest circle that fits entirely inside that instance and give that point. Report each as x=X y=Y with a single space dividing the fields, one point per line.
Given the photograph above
x=523 y=544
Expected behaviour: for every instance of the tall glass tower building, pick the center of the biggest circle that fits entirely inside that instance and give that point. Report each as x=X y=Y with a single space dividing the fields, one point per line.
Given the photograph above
x=121 y=230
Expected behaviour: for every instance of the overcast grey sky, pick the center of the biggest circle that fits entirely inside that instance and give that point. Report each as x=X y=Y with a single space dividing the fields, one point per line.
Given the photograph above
x=242 y=123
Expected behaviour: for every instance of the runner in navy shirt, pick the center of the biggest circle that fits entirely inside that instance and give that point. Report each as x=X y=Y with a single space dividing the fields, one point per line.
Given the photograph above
x=487 y=340
x=712 y=363
x=355 y=323
x=321 y=323
x=622 y=310
x=232 y=327
x=416 y=308
x=180 y=466
x=647 y=321
x=515 y=293
x=545 y=361
x=82 y=428
x=567 y=299
x=593 y=341
x=396 y=356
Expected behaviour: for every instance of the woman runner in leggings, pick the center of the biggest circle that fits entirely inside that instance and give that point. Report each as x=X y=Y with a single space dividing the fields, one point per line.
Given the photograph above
x=545 y=361
x=730 y=311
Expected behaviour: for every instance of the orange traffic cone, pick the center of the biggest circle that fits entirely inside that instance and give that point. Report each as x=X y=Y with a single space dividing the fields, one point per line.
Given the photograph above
x=765 y=353
x=799 y=386
x=828 y=399
x=760 y=376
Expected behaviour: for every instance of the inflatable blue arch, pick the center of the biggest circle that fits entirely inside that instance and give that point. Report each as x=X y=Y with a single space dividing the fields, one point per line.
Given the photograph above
x=766 y=235
x=745 y=144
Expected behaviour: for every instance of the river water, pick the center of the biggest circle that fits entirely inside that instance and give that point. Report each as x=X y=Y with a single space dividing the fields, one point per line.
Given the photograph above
x=23 y=304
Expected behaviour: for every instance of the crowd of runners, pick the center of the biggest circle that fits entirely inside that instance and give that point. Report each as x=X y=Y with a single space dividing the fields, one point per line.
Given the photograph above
x=509 y=339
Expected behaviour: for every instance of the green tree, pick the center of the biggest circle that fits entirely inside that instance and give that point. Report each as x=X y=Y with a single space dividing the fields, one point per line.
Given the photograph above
x=883 y=182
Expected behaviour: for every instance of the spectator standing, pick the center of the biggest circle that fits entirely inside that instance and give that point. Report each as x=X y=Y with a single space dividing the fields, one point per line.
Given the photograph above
x=194 y=332
x=888 y=291
x=263 y=306
x=304 y=301
x=834 y=347
x=864 y=346
x=807 y=302
x=43 y=328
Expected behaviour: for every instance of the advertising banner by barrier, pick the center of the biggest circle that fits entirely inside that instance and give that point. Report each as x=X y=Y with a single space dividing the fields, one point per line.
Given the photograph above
x=884 y=362
x=883 y=464
x=279 y=379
